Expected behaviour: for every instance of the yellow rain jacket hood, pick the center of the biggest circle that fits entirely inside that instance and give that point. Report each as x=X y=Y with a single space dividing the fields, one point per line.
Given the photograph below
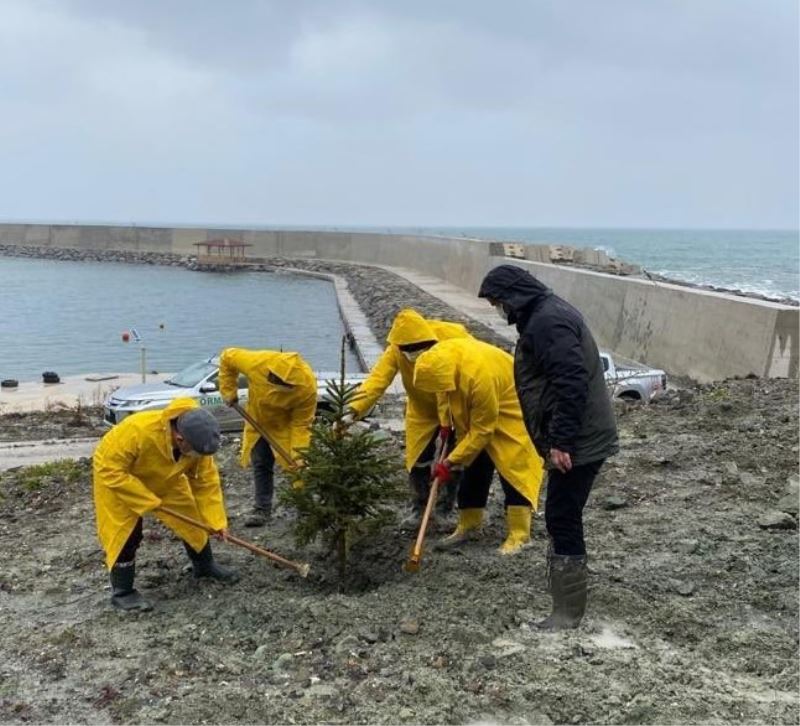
x=475 y=383
x=422 y=417
x=286 y=414
x=410 y=327
x=135 y=472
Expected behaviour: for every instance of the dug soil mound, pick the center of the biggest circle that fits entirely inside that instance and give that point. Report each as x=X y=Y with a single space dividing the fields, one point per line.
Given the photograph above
x=693 y=613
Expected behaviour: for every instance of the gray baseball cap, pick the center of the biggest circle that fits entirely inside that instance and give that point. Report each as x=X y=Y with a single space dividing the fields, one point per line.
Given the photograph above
x=200 y=429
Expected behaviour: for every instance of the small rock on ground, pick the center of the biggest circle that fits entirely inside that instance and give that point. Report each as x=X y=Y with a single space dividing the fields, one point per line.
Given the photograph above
x=777 y=520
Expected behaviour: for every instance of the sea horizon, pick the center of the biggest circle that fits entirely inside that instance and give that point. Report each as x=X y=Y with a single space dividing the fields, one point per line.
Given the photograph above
x=399 y=228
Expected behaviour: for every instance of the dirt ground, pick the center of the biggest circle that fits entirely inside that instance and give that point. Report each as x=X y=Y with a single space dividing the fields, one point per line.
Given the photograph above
x=693 y=613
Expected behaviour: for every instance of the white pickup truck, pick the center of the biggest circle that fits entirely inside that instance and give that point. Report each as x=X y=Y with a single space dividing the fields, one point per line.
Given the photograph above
x=632 y=381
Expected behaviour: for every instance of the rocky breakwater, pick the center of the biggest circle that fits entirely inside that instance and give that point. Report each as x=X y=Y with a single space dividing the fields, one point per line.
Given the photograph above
x=67 y=254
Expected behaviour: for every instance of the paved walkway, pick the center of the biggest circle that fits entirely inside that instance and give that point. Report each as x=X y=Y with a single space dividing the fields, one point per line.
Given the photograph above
x=465 y=302
x=28 y=453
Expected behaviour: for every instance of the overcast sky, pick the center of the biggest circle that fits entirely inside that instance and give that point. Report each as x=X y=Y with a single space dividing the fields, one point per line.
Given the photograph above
x=653 y=113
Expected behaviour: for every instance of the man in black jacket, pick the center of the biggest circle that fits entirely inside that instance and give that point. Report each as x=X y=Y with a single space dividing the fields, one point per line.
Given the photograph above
x=567 y=409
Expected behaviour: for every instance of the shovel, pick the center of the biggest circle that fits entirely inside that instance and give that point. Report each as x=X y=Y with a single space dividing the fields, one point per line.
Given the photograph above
x=301 y=568
x=414 y=559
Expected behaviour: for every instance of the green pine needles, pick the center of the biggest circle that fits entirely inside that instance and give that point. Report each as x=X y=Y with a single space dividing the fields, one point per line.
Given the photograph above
x=349 y=482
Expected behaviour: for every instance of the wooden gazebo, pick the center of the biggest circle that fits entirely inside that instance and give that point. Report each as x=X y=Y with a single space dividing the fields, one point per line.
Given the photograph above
x=222 y=251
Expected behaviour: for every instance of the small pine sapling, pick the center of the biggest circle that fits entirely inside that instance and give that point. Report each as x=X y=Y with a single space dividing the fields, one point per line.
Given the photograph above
x=349 y=482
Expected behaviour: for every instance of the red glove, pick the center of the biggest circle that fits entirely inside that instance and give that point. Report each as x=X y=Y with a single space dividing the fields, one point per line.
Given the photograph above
x=444 y=434
x=442 y=472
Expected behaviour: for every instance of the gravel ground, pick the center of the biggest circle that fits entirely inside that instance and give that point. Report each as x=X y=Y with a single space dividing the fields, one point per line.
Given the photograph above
x=693 y=615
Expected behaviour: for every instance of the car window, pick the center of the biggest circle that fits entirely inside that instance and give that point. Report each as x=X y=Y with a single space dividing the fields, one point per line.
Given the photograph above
x=191 y=376
x=243 y=383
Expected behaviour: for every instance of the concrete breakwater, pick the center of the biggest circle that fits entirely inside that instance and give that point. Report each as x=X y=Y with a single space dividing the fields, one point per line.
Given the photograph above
x=701 y=334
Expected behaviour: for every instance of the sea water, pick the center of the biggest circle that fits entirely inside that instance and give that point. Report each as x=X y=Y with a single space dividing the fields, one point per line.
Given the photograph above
x=757 y=261
x=69 y=317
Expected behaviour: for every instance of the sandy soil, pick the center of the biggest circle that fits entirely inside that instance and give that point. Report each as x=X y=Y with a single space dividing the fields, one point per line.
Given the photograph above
x=693 y=615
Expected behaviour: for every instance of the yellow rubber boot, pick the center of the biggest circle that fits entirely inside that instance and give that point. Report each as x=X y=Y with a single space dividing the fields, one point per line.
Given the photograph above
x=518 y=523
x=469 y=526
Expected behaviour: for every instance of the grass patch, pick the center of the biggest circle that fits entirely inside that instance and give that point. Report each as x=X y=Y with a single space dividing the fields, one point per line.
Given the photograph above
x=721 y=393
x=66 y=471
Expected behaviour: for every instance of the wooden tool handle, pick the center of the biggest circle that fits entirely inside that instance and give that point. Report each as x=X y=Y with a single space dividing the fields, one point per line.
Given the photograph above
x=301 y=568
x=264 y=435
x=412 y=564
x=416 y=550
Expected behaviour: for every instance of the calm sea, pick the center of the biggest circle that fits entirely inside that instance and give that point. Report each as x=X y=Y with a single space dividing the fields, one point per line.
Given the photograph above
x=69 y=316
x=766 y=262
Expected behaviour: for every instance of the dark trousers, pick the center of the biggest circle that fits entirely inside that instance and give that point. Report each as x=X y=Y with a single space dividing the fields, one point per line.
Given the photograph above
x=419 y=479
x=566 y=498
x=476 y=480
x=263 y=461
x=128 y=552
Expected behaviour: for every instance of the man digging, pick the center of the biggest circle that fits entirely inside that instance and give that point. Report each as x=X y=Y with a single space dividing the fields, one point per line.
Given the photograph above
x=282 y=400
x=474 y=382
x=409 y=337
x=154 y=459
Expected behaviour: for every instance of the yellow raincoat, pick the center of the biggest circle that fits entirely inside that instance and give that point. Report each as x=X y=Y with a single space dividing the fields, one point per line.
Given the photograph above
x=475 y=381
x=422 y=418
x=286 y=414
x=135 y=472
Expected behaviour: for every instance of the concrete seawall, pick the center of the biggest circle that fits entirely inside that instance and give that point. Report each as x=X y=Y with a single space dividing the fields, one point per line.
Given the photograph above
x=701 y=334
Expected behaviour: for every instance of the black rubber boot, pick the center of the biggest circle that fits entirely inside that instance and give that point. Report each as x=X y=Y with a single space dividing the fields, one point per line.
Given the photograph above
x=419 y=484
x=258 y=517
x=123 y=594
x=568 y=587
x=203 y=565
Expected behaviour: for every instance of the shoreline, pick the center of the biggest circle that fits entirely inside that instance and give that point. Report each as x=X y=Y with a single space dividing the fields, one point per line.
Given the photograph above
x=76 y=390
x=71 y=254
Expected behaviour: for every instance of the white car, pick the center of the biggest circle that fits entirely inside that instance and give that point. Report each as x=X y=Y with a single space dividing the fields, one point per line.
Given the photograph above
x=632 y=381
x=198 y=381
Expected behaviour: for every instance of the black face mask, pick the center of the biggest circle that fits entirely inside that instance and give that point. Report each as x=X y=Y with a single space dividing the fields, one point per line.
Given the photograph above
x=506 y=313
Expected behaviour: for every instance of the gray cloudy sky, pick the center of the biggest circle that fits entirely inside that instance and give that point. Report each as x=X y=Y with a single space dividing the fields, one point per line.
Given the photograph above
x=673 y=113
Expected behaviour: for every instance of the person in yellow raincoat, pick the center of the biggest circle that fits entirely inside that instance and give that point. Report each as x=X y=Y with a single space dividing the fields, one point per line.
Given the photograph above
x=153 y=459
x=411 y=335
x=475 y=382
x=282 y=398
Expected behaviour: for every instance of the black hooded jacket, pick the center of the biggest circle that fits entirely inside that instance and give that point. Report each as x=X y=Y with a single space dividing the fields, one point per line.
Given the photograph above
x=557 y=369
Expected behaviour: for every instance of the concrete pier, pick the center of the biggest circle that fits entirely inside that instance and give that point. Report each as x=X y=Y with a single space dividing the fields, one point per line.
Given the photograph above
x=705 y=335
